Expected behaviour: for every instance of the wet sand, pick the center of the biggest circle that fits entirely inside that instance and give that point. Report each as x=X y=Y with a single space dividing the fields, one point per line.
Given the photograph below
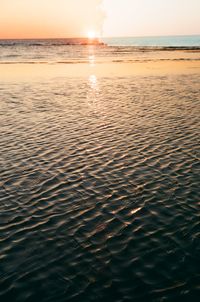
x=99 y=166
x=10 y=72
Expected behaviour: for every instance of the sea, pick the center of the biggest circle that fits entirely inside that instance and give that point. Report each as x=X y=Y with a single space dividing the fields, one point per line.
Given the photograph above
x=99 y=176
x=61 y=51
x=157 y=41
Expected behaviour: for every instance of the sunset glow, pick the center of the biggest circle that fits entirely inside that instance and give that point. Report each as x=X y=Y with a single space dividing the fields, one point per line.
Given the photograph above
x=91 y=34
x=88 y=18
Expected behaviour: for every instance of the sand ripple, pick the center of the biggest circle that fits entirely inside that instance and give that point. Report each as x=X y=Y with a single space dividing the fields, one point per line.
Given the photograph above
x=100 y=189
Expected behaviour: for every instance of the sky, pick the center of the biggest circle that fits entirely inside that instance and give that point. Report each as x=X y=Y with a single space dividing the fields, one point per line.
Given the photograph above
x=75 y=18
x=151 y=17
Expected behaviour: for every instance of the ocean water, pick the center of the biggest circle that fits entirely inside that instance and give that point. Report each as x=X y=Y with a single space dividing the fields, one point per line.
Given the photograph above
x=157 y=41
x=99 y=182
x=70 y=51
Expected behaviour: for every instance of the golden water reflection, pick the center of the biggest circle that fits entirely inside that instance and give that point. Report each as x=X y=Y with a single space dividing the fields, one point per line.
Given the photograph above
x=93 y=82
x=93 y=91
x=91 y=59
x=95 y=100
x=91 y=55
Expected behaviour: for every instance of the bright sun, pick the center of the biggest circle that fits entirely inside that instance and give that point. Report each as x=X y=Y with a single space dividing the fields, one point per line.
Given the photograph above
x=91 y=34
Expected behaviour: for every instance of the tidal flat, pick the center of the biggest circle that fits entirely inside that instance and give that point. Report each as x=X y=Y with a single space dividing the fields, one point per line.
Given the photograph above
x=100 y=180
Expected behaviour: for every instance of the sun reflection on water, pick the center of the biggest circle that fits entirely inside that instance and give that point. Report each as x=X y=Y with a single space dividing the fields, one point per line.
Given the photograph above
x=92 y=95
x=93 y=82
x=95 y=100
x=91 y=55
x=91 y=60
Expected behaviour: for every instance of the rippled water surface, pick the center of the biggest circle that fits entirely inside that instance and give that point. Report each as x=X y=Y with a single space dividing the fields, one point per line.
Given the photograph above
x=100 y=189
x=72 y=51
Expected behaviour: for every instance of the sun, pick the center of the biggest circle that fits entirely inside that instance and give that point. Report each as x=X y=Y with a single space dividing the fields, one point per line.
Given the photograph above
x=91 y=34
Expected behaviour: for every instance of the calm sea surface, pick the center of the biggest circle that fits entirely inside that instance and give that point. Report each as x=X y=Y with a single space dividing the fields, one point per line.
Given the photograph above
x=99 y=182
x=68 y=51
x=163 y=41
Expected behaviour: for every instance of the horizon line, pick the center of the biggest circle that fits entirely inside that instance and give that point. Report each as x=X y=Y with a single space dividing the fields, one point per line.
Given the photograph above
x=103 y=37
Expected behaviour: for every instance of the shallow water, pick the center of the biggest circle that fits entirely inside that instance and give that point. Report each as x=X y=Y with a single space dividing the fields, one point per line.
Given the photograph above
x=100 y=189
x=70 y=51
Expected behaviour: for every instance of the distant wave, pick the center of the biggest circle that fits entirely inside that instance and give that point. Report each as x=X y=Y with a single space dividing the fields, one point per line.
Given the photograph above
x=117 y=47
x=54 y=42
x=98 y=62
x=176 y=42
x=156 y=48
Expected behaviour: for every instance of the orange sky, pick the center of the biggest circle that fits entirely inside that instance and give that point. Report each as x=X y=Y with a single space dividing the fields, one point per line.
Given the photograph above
x=49 y=18
x=74 y=18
